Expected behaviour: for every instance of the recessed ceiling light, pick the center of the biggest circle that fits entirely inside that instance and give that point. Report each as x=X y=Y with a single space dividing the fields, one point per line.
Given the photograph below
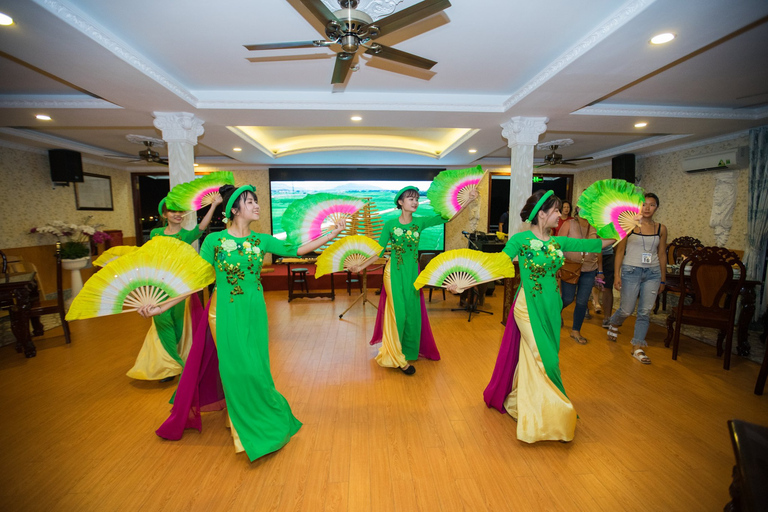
x=196 y=165
x=43 y=117
x=662 y=38
x=237 y=149
x=473 y=151
x=641 y=124
x=356 y=118
x=5 y=19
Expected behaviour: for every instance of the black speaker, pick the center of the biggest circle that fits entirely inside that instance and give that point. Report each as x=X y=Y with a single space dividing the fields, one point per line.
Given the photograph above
x=66 y=166
x=623 y=167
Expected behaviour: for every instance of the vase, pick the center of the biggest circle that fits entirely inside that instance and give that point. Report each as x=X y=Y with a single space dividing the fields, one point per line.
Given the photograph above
x=74 y=267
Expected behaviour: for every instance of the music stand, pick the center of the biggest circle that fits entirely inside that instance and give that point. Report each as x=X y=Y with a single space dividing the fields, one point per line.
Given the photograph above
x=474 y=294
x=363 y=294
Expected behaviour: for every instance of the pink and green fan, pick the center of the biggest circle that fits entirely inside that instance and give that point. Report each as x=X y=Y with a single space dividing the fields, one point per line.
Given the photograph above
x=347 y=252
x=113 y=253
x=613 y=207
x=306 y=219
x=200 y=192
x=465 y=268
x=161 y=269
x=450 y=190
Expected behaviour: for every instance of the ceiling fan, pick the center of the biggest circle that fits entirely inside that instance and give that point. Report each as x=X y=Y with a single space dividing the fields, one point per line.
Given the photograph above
x=555 y=158
x=146 y=155
x=353 y=29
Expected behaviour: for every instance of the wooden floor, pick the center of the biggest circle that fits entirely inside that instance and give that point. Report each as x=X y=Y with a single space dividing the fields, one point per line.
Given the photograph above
x=77 y=434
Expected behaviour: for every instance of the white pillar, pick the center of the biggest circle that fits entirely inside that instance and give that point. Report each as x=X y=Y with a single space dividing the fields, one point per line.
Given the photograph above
x=180 y=131
x=522 y=134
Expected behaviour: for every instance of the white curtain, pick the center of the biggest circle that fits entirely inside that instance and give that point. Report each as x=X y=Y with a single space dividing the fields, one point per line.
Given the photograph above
x=757 y=212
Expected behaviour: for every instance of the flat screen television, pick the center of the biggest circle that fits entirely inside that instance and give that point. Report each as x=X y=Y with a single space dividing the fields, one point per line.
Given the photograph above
x=379 y=185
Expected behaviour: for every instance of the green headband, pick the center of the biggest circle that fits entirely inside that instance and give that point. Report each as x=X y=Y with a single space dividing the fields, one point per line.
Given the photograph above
x=539 y=205
x=234 y=196
x=402 y=191
x=168 y=206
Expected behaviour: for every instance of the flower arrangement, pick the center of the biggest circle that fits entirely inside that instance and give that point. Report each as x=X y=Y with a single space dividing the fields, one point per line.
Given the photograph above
x=75 y=238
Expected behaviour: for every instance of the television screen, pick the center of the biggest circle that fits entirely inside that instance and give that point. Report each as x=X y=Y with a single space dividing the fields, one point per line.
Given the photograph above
x=380 y=193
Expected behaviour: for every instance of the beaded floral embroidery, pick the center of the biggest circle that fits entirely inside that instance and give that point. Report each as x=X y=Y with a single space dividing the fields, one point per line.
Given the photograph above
x=554 y=260
x=249 y=248
x=405 y=239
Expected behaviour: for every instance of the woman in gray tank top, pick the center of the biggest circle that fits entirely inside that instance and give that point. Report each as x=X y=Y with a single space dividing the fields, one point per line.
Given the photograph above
x=640 y=275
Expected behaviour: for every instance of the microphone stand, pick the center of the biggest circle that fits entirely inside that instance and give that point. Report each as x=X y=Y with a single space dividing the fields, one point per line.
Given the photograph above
x=473 y=296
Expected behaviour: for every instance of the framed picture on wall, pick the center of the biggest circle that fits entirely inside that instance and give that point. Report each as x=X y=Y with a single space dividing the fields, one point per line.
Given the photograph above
x=94 y=193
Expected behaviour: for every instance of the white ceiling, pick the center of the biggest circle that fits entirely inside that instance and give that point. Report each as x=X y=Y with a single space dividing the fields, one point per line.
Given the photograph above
x=101 y=68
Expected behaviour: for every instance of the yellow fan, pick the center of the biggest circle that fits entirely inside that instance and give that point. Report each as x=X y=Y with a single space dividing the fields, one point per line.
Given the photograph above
x=113 y=253
x=161 y=269
x=347 y=252
x=465 y=268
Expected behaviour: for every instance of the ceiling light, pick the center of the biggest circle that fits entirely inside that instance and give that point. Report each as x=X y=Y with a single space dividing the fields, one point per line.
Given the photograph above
x=662 y=38
x=473 y=151
x=43 y=117
x=5 y=19
x=641 y=124
x=356 y=118
x=237 y=149
x=196 y=165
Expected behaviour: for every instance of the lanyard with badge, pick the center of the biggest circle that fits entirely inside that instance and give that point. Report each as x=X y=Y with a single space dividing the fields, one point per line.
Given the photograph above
x=647 y=257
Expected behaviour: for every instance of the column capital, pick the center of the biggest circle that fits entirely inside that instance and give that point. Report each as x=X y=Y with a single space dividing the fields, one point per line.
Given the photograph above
x=523 y=131
x=179 y=126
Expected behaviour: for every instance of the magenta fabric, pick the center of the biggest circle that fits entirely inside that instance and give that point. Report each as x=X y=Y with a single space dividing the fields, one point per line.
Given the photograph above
x=427 y=346
x=506 y=365
x=200 y=386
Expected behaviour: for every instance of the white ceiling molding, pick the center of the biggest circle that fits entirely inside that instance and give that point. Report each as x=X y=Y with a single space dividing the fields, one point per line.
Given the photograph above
x=54 y=101
x=56 y=142
x=698 y=143
x=627 y=11
x=77 y=19
x=634 y=146
x=750 y=114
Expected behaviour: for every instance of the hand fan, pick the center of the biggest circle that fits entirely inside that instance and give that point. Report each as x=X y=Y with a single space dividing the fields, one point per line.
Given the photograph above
x=450 y=190
x=162 y=268
x=612 y=207
x=344 y=253
x=198 y=193
x=113 y=253
x=305 y=219
x=465 y=268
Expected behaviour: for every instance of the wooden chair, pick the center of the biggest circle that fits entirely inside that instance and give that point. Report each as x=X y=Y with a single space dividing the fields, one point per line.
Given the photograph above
x=714 y=291
x=424 y=259
x=48 y=307
x=679 y=249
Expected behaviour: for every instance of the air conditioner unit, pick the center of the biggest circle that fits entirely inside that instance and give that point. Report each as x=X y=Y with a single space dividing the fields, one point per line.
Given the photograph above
x=732 y=159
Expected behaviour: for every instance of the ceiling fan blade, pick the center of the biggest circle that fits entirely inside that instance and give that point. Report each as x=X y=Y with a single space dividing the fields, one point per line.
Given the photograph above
x=341 y=69
x=119 y=157
x=565 y=163
x=387 y=52
x=319 y=11
x=538 y=166
x=410 y=15
x=280 y=46
x=577 y=159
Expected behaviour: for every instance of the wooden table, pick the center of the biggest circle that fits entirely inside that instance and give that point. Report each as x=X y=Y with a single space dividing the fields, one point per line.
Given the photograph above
x=18 y=293
x=746 y=311
x=303 y=295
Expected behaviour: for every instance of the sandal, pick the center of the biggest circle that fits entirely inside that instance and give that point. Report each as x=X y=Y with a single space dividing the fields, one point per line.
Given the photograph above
x=639 y=354
x=409 y=370
x=613 y=332
x=581 y=340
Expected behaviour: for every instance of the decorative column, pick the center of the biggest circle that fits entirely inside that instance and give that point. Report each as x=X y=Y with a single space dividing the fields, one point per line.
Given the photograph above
x=522 y=134
x=180 y=131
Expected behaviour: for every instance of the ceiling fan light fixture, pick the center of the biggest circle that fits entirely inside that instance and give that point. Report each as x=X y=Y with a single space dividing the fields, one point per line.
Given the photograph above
x=662 y=38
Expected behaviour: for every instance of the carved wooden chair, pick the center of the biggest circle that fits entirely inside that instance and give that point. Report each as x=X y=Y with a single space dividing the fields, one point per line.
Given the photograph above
x=424 y=259
x=55 y=306
x=680 y=248
x=714 y=290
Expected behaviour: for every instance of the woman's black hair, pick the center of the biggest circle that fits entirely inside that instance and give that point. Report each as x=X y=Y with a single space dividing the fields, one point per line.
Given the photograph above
x=408 y=193
x=551 y=201
x=653 y=196
x=226 y=192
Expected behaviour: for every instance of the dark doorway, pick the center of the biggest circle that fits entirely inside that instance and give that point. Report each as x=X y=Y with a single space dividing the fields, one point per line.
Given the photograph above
x=498 y=200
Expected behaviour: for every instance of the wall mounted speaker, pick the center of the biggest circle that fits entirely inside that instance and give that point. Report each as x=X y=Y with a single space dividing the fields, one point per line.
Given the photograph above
x=623 y=167
x=66 y=166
